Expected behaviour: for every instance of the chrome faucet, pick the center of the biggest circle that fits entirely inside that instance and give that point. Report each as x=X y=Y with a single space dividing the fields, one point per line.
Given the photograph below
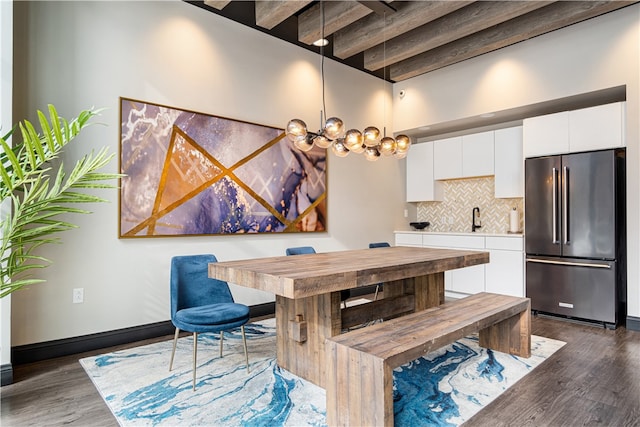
x=475 y=216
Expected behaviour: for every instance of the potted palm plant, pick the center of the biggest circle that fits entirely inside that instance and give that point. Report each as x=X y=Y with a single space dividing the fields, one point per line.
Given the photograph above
x=37 y=194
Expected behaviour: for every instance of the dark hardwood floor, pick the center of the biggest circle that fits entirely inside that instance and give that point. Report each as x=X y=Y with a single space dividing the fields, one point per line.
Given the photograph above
x=593 y=380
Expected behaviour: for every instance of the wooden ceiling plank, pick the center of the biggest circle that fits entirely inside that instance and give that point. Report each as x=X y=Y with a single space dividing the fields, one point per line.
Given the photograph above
x=468 y=20
x=270 y=13
x=540 y=21
x=217 y=4
x=337 y=15
x=372 y=30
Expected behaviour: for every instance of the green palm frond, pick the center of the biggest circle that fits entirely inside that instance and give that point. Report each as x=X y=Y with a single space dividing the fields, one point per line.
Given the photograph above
x=39 y=193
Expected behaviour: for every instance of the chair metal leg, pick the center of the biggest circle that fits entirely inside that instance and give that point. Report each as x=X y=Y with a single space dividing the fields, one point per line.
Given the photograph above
x=375 y=296
x=221 y=340
x=246 y=354
x=195 y=357
x=173 y=353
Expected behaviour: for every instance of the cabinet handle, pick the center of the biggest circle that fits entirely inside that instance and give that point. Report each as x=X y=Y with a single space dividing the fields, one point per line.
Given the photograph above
x=569 y=263
x=565 y=202
x=554 y=204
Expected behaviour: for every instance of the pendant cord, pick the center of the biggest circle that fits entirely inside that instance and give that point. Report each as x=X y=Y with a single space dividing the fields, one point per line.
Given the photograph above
x=384 y=74
x=324 y=107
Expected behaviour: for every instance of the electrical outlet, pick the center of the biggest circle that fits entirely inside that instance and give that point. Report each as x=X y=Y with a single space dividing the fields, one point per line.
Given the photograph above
x=406 y=213
x=78 y=295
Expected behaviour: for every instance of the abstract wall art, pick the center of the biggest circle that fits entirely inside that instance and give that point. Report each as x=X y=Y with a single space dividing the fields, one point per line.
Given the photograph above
x=188 y=174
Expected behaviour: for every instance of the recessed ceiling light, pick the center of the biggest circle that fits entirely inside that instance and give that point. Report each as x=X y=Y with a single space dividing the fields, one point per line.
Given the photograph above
x=487 y=115
x=424 y=128
x=321 y=42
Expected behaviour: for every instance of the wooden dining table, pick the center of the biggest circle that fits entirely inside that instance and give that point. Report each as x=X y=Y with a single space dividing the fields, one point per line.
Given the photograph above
x=307 y=290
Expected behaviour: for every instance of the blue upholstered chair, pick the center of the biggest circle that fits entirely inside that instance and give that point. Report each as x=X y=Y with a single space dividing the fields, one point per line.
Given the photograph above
x=378 y=245
x=201 y=304
x=301 y=250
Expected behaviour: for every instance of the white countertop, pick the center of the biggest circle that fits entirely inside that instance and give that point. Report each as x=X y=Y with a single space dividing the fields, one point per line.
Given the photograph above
x=453 y=233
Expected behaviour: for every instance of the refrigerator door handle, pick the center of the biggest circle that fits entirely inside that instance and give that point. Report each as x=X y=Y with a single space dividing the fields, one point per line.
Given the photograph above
x=565 y=204
x=569 y=263
x=554 y=209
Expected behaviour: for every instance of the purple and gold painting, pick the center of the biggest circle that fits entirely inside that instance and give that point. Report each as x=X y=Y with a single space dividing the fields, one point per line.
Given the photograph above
x=187 y=173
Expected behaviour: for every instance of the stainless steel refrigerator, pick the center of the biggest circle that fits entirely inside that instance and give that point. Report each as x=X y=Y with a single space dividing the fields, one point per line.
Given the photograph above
x=575 y=235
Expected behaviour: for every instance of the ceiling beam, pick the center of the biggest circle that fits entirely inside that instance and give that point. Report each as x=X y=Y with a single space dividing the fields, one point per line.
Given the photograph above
x=270 y=13
x=378 y=6
x=217 y=4
x=337 y=15
x=540 y=21
x=468 y=20
x=372 y=29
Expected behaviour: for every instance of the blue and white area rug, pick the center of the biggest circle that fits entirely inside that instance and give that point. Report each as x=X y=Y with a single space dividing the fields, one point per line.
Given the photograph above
x=444 y=388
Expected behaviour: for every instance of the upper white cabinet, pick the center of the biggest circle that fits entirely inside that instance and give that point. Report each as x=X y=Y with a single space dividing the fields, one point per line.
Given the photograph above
x=596 y=128
x=420 y=183
x=587 y=129
x=544 y=135
x=448 y=153
x=477 y=154
x=464 y=156
x=509 y=163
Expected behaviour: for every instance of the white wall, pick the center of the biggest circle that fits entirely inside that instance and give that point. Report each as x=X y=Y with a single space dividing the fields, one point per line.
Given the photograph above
x=81 y=54
x=596 y=54
x=6 y=90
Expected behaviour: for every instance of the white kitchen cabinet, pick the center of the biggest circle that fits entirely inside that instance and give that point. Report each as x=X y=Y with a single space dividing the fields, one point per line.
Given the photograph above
x=504 y=274
x=464 y=156
x=544 y=135
x=421 y=187
x=596 y=128
x=468 y=280
x=447 y=155
x=478 y=154
x=408 y=239
x=509 y=163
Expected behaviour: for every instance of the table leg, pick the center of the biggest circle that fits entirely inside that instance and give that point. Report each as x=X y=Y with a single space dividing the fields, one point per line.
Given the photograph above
x=428 y=290
x=322 y=316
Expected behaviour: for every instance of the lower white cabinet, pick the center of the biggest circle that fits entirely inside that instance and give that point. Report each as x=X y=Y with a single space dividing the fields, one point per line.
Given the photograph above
x=504 y=274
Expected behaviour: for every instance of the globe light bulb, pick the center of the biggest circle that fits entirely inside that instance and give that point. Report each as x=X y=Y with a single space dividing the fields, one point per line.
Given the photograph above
x=339 y=148
x=353 y=140
x=303 y=143
x=403 y=143
x=371 y=136
x=387 y=146
x=296 y=128
x=400 y=154
x=322 y=141
x=371 y=153
x=334 y=128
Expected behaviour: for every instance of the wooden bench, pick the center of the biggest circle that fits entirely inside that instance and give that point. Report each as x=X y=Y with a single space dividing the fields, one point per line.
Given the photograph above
x=360 y=363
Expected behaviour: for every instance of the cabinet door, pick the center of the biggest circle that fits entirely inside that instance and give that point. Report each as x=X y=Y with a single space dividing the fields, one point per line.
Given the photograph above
x=420 y=184
x=596 y=128
x=544 y=135
x=447 y=154
x=468 y=280
x=509 y=163
x=408 y=239
x=477 y=154
x=505 y=274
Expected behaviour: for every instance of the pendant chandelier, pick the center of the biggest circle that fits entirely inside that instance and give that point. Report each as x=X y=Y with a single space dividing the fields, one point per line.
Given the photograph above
x=370 y=142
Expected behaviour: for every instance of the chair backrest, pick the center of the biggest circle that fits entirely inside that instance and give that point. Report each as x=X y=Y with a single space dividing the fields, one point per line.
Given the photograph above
x=191 y=285
x=301 y=250
x=379 y=245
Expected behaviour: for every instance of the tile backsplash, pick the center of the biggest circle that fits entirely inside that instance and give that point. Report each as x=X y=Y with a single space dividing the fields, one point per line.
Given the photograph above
x=454 y=213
